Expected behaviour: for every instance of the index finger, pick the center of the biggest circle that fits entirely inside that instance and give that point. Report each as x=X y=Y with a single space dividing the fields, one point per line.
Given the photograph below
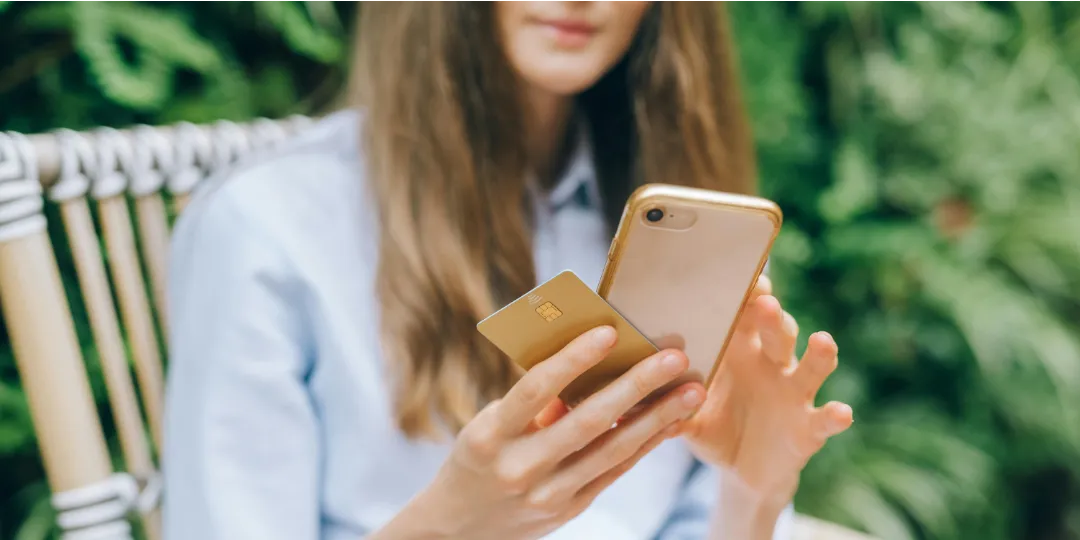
x=546 y=380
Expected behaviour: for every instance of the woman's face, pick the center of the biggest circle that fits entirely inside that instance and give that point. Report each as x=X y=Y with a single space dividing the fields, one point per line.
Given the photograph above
x=564 y=47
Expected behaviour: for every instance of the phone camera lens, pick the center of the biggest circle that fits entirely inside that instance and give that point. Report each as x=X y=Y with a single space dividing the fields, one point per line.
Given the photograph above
x=654 y=215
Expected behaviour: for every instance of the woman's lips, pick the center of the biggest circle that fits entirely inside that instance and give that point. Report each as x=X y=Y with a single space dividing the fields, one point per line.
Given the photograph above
x=569 y=33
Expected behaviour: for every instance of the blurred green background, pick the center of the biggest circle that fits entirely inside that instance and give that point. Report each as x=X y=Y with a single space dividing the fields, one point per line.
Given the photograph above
x=926 y=157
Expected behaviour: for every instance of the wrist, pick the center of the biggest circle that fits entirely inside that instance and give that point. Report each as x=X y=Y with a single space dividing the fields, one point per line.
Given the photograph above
x=778 y=496
x=747 y=513
x=418 y=520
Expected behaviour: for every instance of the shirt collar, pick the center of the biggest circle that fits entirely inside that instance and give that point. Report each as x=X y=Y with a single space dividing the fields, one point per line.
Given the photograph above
x=578 y=184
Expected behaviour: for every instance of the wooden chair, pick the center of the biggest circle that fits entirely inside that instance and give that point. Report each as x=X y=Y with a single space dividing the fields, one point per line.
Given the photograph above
x=128 y=179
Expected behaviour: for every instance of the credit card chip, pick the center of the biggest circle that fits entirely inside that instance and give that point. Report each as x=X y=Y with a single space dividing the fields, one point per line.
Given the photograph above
x=549 y=312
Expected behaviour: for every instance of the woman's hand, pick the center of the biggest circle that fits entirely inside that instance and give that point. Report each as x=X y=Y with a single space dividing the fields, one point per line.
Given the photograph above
x=516 y=472
x=759 y=423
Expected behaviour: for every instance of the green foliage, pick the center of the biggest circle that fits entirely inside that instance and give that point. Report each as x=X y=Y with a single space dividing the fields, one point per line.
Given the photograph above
x=300 y=34
x=923 y=155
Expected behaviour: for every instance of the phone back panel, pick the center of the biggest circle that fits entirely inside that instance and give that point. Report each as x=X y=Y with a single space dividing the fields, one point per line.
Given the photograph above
x=685 y=280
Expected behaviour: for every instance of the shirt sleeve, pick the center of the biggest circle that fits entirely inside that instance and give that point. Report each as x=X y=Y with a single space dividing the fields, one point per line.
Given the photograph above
x=241 y=433
x=692 y=515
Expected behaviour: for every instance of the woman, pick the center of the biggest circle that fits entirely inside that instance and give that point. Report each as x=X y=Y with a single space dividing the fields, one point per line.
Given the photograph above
x=327 y=378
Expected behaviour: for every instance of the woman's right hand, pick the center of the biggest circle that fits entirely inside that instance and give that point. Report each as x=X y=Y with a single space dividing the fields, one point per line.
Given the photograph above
x=521 y=468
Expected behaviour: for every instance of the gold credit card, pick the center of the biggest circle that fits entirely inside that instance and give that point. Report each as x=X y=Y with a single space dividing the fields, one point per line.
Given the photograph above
x=547 y=318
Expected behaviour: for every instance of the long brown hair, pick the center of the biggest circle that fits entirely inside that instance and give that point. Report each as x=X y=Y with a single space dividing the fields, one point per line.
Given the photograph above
x=446 y=162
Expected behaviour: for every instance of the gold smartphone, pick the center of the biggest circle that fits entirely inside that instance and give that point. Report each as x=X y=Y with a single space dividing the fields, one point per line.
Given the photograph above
x=547 y=318
x=683 y=264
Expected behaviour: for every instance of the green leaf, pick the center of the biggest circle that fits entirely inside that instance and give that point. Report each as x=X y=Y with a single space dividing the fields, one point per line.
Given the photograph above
x=300 y=33
x=162 y=33
x=144 y=84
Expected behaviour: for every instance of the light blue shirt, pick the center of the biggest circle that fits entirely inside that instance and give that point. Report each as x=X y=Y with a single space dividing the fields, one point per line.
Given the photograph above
x=279 y=423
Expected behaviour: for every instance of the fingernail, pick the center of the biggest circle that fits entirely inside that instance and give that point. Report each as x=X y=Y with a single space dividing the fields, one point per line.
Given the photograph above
x=671 y=362
x=691 y=398
x=604 y=337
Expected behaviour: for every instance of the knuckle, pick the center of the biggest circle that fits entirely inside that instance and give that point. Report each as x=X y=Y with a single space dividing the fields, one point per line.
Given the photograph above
x=490 y=408
x=812 y=444
x=531 y=389
x=624 y=467
x=621 y=450
x=825 y=366
x=481 y=439
x=512 y=476
x=584 y=351
x=642 y=381
x=583 y=357
x=832 y=364
x=576 y=508
x=487 y=415
x=592 y=423
x=545 y=499
x=819 y=439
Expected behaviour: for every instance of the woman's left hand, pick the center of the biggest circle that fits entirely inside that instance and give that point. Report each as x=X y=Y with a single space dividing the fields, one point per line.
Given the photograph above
x=759 y=423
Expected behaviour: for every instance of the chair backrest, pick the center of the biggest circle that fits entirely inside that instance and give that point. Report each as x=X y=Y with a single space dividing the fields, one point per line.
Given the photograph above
x=127 y=184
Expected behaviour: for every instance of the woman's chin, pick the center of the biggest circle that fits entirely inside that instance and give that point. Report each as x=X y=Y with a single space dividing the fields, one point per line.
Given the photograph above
x=563 y=80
